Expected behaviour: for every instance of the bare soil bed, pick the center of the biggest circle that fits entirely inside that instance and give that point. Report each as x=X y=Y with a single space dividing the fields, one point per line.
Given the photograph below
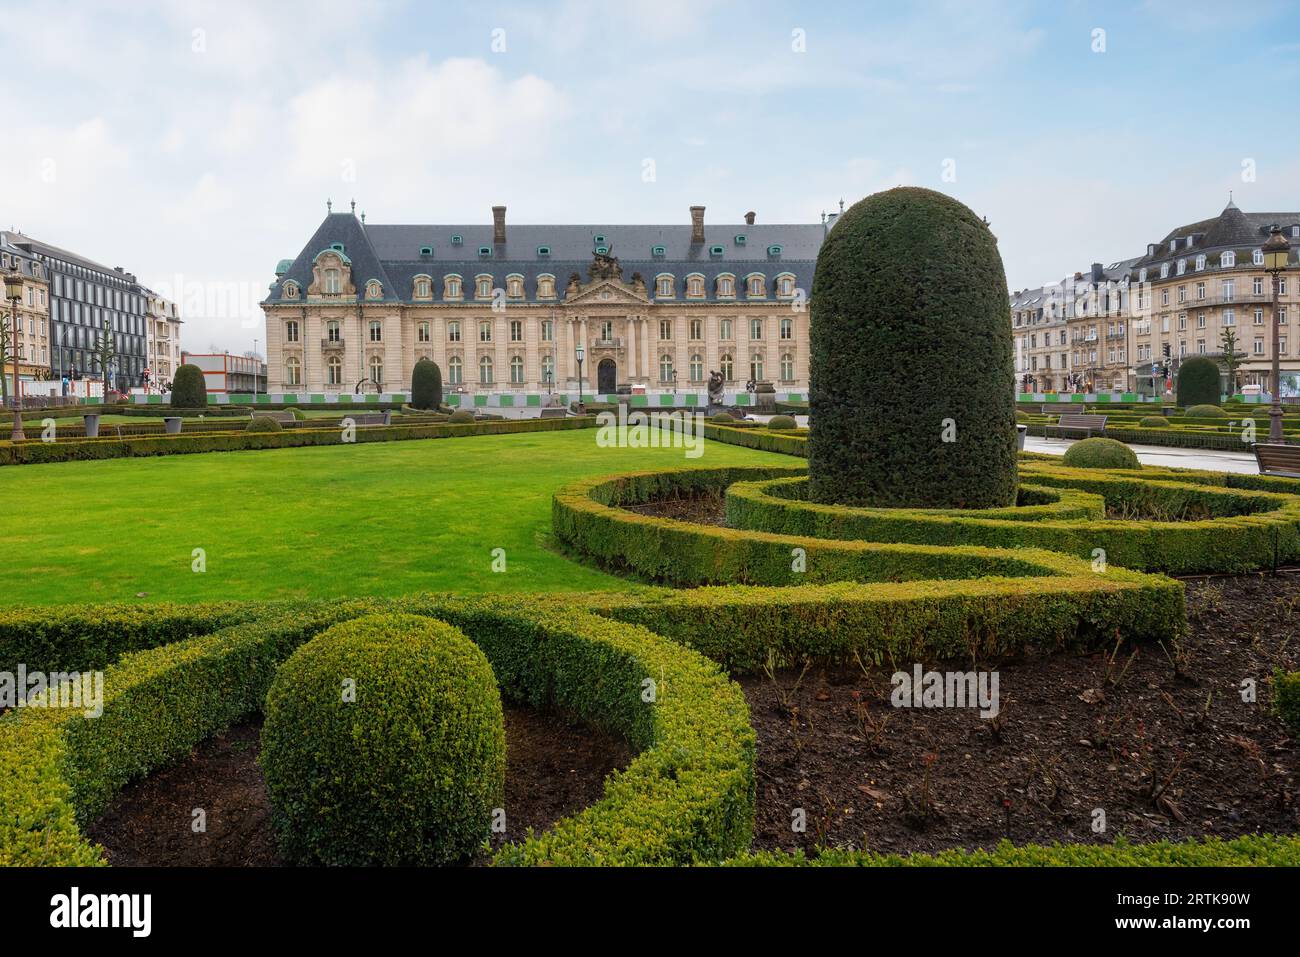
x=553 y=769
x=1159 y=740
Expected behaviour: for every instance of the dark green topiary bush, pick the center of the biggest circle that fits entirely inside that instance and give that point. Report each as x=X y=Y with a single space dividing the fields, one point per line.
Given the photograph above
x=722 y=418
x=461 y=416
x=1099 y=453
x=426 y=385
x=781 y=423
x=384 y=743
x=263 y=423
x=1286 y=698
x=298 y=414
x=188 y=388
x=1198 y=382
x=911 y=358
x=1206 y=411
x=1153 y=421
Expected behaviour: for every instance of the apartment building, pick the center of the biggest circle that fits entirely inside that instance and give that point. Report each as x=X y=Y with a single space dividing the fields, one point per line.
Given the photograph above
x=32 y=350
x=163 y=341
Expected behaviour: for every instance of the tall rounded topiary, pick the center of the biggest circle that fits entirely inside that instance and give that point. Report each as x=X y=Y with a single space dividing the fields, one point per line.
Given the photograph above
x=1198 y=382
x=384 y=743
x=912 y=372
x=426 y=385
x=188 y=388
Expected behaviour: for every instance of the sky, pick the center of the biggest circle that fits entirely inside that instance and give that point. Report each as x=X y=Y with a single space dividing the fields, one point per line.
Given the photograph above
x=196 y=143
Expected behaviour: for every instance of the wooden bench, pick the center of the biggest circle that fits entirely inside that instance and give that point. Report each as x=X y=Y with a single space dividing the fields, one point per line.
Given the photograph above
x=559 y=413
x=1278 y=459
x=1086 y=424
x=284 y=418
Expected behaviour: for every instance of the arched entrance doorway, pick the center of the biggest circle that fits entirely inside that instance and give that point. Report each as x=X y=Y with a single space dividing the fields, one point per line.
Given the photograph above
x=606 y=377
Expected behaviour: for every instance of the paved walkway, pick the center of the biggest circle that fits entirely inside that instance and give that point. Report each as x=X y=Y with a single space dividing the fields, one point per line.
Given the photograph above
x=1211 y=459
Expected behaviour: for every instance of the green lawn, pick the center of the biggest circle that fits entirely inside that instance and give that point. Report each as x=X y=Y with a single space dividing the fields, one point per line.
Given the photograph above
x=374 y=519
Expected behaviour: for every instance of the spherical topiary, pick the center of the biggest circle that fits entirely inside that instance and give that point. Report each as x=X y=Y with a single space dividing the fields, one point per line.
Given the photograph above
x=460 y=416
x=1153 y=421
x=722 y=418
x=298 y=414
x=1206 y=411
x=188 y=388
x=1099 y=453
x=780 y=423
x=262 y=423
x=426 y=385
x=911 y=359
x=1198 y=382
x=384 y=743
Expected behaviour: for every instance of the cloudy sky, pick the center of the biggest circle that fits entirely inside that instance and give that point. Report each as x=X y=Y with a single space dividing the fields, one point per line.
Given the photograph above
x=195 y=143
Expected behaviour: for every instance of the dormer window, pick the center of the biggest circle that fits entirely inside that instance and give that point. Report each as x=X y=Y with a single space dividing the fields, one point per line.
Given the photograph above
x=1257 y=257
x=483 y=287
x=374 y=290
x=664 y=286
x=726 y=286
x=1182 y=266
x=740 y=239
x=1200 y=262
x=543 y=252
x=291 y=288
x=423 y=287
x=426 y=250
x=331 y=285
x=756 y=286
x=451 y=288
x=1173 y=245
x=515 y=286
x=602 y=250
x=785 y=285
x=546 y=287
x=1142 y=275
x=716 y=251
x=485 y=252
x=774 y=250
x=1164 y=270
x=598 y=240
x=457 y=239
x=1228 y=259
x=658 y=251
x=1295 y=232
x=695 y=286
x=338 y=247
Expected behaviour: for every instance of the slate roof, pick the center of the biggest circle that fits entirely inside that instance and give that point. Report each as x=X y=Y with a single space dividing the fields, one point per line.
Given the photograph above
x=392 y=254
x=1231 y=229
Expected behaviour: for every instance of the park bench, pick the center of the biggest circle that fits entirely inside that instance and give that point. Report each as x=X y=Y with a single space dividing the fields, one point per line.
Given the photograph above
x=1086 y=424
x=370 y=418
x=559 y=413
x=1278 y=459
x=284 y=418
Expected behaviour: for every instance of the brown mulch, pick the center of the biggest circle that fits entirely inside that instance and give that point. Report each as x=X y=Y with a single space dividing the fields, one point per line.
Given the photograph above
x=553 y=768
x=1163 y=743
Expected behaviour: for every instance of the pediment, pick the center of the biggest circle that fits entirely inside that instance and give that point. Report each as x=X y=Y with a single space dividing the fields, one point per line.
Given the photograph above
x=610 y=292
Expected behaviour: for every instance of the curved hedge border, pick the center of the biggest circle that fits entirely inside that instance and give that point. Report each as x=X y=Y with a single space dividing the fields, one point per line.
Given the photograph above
x=1253 y=850
x=28 y=453
x=1245 y=530
x=687 y=797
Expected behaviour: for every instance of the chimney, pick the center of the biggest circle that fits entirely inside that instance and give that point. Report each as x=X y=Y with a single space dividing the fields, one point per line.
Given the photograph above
x=749 y=218
x=498 y=224
x=1078 y=276
x=697 y=224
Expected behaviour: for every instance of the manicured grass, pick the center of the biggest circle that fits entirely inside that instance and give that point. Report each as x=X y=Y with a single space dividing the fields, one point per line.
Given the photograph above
x=373 y=519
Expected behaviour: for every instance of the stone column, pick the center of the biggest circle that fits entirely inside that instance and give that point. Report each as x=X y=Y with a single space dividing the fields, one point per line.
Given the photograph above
x=629 y=333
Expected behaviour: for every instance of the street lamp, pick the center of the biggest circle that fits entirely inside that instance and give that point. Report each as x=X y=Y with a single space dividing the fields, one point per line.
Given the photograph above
x=1276 y=252
x=14 y=293
x=579 y=353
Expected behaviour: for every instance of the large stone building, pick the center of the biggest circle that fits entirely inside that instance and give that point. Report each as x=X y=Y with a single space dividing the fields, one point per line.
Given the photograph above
x=87 y=301
x=1207 y=278
x=163 y=345
x=1131 y=323
x=33 y=347
x=504 y=309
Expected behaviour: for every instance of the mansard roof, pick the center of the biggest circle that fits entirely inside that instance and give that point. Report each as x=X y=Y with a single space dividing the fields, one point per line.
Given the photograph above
x=395 y=254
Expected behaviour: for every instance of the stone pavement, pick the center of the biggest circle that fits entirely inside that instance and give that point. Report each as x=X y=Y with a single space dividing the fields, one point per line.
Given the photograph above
x=1210 y=459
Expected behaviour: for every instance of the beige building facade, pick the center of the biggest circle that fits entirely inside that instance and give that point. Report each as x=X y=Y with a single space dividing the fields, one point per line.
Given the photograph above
x=503 y=312
x=33 y=346
x=163 y=345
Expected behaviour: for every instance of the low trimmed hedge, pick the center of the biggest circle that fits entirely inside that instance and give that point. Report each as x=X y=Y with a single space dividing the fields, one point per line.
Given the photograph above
x=1235 y=528
x=262 y=423
x=1253 y=850
x=1153 y=421
x=687 y=797
x=407 y=770
x=26 y=453
x=1205 y=412
x=781 y=423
